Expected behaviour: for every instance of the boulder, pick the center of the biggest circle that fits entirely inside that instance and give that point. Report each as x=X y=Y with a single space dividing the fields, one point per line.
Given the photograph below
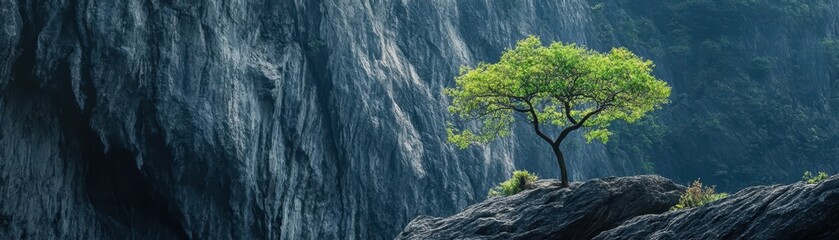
x=796 y=211
x=549 y=211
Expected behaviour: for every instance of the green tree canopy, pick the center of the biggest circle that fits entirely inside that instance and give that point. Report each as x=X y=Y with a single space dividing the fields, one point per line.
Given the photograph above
x=556 y=88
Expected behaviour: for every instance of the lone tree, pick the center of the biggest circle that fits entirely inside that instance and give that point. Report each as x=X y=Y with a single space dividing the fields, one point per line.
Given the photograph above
x=557 y=88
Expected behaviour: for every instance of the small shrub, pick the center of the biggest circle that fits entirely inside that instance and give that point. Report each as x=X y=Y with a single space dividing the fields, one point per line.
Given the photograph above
x=696 y=196
x=810 y=179
x=520 y=181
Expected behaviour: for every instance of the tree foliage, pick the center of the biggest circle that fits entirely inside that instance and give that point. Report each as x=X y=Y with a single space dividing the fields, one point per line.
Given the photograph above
x=559 y=86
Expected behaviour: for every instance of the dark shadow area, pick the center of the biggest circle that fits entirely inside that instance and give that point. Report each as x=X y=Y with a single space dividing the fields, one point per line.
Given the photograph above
x=119 y=190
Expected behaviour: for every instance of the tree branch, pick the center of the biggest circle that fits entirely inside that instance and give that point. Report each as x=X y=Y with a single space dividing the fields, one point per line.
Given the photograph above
x=567 y=107
x=536 y=124
x=578 y=125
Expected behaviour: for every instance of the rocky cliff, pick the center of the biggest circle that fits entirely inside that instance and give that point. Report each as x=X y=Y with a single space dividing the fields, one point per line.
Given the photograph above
x=248 y=119
x=306 y=119
x=755 y=87
x=637 y=208
x=796 y=211
x=550 y=212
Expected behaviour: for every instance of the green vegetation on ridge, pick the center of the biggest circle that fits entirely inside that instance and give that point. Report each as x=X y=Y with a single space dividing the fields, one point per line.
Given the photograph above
x=813 y=179
x=696 y=196
x=521 y=180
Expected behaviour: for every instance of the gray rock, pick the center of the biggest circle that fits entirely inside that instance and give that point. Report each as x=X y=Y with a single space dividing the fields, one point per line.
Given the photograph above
x=251 y=119
x=796 y=211
x=280 y=119
x=550 y=212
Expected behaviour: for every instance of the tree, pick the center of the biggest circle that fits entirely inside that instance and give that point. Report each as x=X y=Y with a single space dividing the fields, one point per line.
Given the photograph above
x=556 y=88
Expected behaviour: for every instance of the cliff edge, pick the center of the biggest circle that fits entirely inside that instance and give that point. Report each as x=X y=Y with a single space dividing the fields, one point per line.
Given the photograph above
x=795 y=211
x=579 y=212
x=637 y=208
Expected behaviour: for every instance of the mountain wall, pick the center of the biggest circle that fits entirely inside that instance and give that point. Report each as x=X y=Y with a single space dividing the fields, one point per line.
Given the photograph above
x=755 y=87
x=324 y=119
x=249 y=119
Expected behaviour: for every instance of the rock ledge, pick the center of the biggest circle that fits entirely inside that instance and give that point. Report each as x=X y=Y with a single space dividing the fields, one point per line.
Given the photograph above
x=579 y=212
x=795 y=211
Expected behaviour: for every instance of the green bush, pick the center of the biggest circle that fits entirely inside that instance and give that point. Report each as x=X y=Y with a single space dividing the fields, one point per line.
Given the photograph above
x=696 y=196
x=810 y=179
x=520 y=181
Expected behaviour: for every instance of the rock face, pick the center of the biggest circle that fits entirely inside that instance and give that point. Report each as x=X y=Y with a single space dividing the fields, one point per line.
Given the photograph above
x=797 y=211
x=256 y=119
x=302 y=119
x=549 y=212
x=763 y=65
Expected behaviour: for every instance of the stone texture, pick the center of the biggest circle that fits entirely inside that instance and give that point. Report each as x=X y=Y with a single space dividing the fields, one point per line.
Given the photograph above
x=9 y=35
x=250 y=119
x=796 y=211
x=550 y=212
x=637 y=208
x=259 y=118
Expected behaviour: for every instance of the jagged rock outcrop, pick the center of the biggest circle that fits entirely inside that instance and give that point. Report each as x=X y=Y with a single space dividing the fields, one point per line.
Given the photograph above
x=549 y=212
x=796 y=211
x=637 y=208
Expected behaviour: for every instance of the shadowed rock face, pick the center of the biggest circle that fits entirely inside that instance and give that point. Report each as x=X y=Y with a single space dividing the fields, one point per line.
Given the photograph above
x=299 y=119
x=250 y=119
x=797 y=211
x=550 y=212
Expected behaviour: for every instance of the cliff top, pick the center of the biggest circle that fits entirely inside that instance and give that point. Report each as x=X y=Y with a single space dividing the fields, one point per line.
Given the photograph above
x=579 y=212
x=637 y=208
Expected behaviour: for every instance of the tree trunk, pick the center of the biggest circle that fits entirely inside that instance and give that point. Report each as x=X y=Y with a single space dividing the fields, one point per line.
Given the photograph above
x=563 y=171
